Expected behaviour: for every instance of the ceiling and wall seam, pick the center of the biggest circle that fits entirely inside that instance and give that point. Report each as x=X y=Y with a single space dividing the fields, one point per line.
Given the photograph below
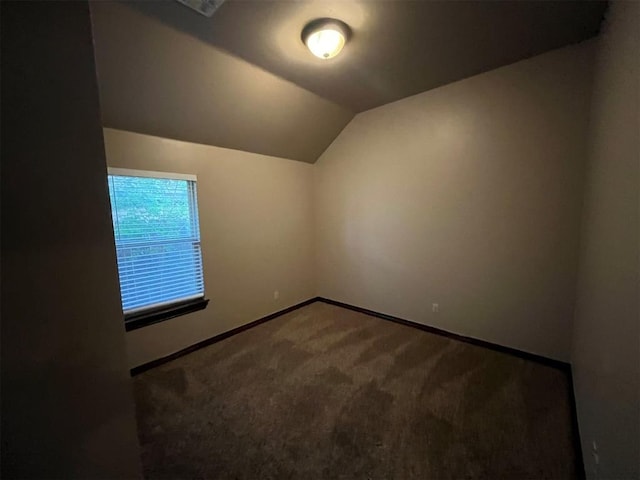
x=243 y=79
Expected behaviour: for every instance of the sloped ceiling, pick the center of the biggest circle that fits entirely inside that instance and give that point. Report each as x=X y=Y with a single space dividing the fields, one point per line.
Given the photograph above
x=243 y=79
x=159 y=81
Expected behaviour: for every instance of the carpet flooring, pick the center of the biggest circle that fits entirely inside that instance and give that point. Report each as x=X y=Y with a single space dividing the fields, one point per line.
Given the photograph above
x=325 y=392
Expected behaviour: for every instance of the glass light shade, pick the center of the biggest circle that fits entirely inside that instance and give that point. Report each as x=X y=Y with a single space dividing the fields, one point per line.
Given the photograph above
x=326 y=41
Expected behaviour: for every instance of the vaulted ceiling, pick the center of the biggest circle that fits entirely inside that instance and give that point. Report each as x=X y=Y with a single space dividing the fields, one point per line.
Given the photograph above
x=243 y=79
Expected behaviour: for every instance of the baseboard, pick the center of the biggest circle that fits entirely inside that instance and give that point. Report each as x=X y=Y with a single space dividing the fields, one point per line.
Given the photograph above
x=455 y=336
x=426 y=328
x=550 y=362
x=577 y=443
x=209 y=341
x=565 y=367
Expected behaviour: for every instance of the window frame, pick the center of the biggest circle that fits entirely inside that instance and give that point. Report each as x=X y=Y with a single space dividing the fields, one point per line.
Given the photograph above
x=143 y=316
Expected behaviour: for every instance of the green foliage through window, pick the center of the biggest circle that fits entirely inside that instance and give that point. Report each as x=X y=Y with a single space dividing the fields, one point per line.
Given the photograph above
x=157 y=236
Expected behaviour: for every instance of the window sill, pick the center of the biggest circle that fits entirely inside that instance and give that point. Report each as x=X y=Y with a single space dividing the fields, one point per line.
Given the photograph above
x=149 y=317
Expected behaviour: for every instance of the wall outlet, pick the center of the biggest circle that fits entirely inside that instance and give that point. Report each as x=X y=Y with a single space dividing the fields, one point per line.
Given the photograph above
x=435 y=307
x=276 y=295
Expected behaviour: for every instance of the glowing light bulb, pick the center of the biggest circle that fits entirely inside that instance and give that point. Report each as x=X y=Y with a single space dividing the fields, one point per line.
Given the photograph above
x=325 y=38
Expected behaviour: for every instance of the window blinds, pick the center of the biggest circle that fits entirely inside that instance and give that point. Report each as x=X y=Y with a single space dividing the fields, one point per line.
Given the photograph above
x=155 y=220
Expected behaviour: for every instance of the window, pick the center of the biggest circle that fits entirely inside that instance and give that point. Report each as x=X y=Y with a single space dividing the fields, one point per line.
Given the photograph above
x=155 y=221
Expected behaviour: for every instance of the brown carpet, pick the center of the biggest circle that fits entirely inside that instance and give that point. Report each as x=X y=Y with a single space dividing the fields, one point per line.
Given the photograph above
x=324 y=392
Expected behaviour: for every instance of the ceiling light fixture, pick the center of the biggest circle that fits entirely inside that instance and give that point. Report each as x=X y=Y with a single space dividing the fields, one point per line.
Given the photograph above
x=325 y=37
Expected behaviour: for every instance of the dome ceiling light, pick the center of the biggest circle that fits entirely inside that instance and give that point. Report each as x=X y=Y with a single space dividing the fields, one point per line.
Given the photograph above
x=325 y=37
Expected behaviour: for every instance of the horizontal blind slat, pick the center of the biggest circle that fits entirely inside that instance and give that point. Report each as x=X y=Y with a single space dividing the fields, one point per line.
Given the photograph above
x=151 y=273
x=133 y=301
x=185 y=278
x=160 y=304
x=157 y=240
x=149 y=263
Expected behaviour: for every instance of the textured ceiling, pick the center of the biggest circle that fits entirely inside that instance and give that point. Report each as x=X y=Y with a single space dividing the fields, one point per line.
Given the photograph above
x=243 y=79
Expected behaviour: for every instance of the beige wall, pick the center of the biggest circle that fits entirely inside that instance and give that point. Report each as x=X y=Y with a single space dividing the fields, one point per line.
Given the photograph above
x=606 y=347
x=467 y=196
x=67 y=406
x=256 y=222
